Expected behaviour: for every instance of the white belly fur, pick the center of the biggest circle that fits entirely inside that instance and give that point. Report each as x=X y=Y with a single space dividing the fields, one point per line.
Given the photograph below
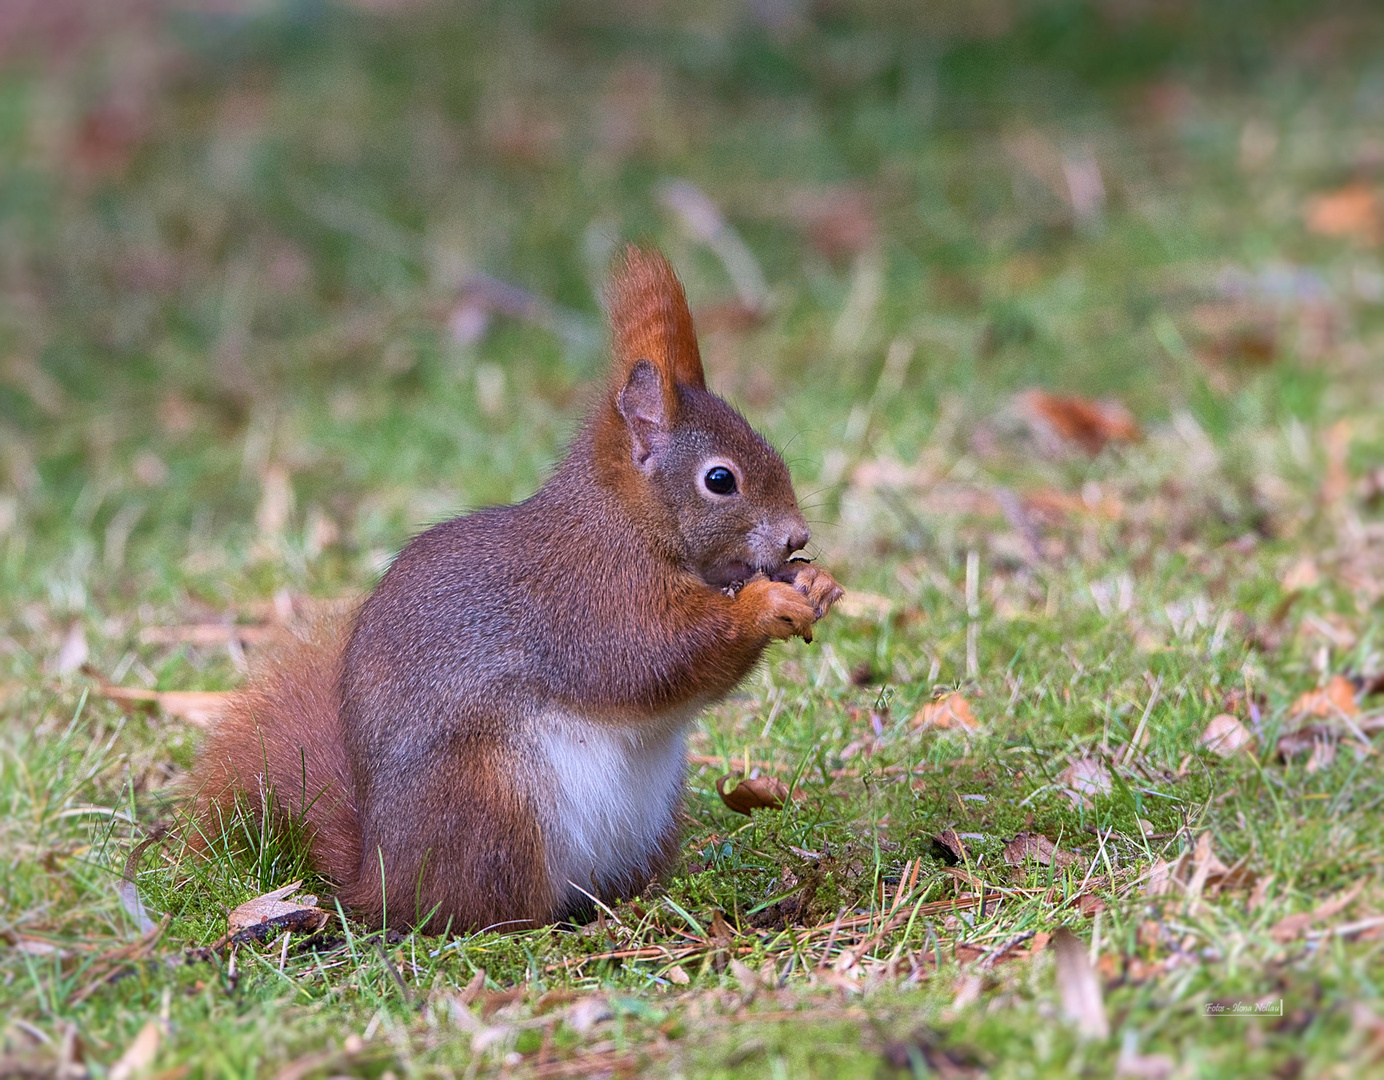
x=611 y=793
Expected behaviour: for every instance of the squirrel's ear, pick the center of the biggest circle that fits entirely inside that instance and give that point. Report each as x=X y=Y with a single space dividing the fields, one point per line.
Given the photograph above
x=642 y=403
x=650 y=323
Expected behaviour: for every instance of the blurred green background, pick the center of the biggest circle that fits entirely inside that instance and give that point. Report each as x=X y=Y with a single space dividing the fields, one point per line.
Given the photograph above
x=357 y=248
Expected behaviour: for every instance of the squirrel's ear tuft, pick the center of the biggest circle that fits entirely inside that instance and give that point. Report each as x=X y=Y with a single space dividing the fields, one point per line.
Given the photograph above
x=649 y=320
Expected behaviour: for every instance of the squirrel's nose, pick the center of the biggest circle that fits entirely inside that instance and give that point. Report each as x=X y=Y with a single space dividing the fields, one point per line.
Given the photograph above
x=797 y=539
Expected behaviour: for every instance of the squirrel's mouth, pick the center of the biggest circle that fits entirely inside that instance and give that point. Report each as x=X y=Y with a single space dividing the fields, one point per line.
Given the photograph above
x=738 y=572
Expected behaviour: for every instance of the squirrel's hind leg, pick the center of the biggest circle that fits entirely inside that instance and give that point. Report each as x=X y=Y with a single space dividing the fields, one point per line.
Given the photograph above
x=462 y=851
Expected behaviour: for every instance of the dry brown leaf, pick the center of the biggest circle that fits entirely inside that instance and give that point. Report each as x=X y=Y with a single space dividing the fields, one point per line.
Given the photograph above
x=1082 y=1001
x=1035 y=846
x=140 y=1054
x=197 y=707
x=950 y=711
x=1089 y=905
x=38 y=947
x=270 y=906
x=1306 y=739
x=1293 y=926
x=1161 y=878
x=1234 y=333
x=952 y=844
x=73 y=652
x=1085 y=777
x=839 y=222
x=204 y=634
x=1144 y=1066
x=1335 y=699
x=721 y=933
x=864 y=605
x=1053 y=507
x=1089 y=424
x=753 y=793
x=1353 y=211
x=1226 y=736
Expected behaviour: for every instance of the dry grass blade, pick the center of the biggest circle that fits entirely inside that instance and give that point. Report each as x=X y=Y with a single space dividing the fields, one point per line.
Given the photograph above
x=140 y=1054
x=108 y=965
x=1082 y=1001
x=198 y=707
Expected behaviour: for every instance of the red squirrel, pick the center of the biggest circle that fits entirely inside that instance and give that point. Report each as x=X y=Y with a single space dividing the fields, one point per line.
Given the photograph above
x=497 y=737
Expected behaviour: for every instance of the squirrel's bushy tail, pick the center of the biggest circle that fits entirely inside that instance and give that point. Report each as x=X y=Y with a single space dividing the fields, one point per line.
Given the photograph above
x=279 y=746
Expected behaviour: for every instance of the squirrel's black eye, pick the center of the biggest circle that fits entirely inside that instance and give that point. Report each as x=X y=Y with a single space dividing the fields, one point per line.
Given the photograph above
x=719 y=480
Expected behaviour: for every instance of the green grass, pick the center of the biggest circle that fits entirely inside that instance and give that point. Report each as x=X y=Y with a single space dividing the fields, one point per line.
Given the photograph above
x=231 y=247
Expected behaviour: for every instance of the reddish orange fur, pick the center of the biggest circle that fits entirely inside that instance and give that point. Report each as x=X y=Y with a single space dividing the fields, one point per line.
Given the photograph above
x=650 y=320
x=282 y=735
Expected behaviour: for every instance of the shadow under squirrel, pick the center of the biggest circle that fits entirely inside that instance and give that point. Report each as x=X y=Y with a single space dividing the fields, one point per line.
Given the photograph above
x=498 y=733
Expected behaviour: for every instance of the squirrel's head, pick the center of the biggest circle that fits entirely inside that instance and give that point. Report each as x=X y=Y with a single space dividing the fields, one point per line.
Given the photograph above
x=695 y=464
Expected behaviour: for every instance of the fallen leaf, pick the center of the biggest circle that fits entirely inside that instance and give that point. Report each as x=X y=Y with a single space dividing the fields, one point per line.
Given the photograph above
x=1035 y=846
x=205 y=634
x=753 y=793
x=197 y=707
x=923 y=1054
x=1293 y=926
x=1234 y=332
x=968 y=985
x=1160 y=878
x=1138 y=1066
x=745 y=976
x=473 y=989
x=729 y=317
x=864 y=605
x=273 y=906
x=1323 y=756
x=838 y=222
x=1089 y=906
x=1082 y=1001
x=677 y=975
x=1198 y=871
x=949 y=711
x=1301 y=574
x=1335 y=699
x=73 y=652
x=1085 y=777
x=39 y=947
x=140 y=1054
x=496 y=1000
x=721 y=933
x=1353 y=211
x=1089 y=424
x=953 y=848
x=587 y=1013
x=1226 y=736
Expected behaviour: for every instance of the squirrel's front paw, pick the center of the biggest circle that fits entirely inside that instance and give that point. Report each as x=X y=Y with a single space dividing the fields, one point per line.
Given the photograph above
x=820 y=588
x=780 y=610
